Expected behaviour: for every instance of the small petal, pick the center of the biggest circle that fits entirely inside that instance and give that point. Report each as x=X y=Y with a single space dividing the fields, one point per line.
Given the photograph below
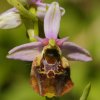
x=10 y=19
x=62 y=11
x=35 y=1
x=75 y=52
x=61 y=41
x=52 y=21
x=42 y=9
x=44 y=41
x=26 y=52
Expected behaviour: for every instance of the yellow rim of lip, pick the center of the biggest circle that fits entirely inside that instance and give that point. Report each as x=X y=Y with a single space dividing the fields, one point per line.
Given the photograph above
x=50 y=95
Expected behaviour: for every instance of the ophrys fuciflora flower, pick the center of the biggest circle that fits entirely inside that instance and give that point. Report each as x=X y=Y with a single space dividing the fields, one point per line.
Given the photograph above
x=50 y=72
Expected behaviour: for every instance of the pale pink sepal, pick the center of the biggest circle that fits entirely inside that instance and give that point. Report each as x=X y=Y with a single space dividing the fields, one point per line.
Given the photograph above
x=42 y=8
x=10 y=19
x=35 y=1
x=52 y=21
x=26 y=52
x=75 y=52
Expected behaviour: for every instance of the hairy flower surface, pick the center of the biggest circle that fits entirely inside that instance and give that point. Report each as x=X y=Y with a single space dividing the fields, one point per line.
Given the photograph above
x=50 y=73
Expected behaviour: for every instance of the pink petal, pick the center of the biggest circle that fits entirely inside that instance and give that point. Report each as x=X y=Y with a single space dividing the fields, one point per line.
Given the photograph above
x=75 y=52
x=10 y=19
x=26 y=52
x=42 y=9
x=61 y=41
x=35 y=1
x=52 y=21
x=44 y=41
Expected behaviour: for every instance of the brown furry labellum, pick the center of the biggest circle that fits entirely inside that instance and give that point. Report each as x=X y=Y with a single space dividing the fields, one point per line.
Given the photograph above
x=50 y=74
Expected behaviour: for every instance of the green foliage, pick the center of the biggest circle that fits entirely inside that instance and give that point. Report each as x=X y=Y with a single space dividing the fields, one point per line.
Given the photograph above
x=82 y=24
x=86 y=92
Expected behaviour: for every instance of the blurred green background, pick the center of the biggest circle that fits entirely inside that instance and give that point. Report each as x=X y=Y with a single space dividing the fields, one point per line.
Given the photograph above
x=81 y=23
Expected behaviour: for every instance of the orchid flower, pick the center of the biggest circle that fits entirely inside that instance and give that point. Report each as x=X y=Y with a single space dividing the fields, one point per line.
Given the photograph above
x=12 y=17
x=50 y=73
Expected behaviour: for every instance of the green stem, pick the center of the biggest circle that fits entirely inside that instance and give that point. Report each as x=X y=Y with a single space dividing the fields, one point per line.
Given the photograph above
x=23 y=11
x=33 y=30
x=36 y=29
x=31 y=26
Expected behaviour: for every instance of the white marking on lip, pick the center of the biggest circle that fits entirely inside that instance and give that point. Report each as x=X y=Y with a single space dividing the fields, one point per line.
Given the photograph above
x=50 y=71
